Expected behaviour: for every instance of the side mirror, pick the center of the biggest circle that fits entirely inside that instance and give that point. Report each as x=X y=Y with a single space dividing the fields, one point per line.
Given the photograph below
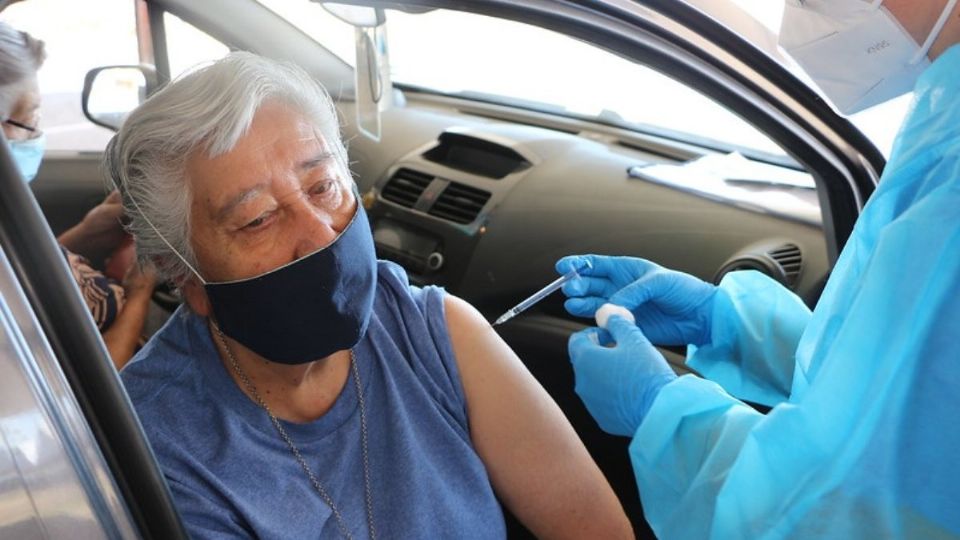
x=111 y=92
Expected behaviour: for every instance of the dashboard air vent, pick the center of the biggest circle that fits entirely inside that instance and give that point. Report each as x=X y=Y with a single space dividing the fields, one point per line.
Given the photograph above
x=459 y=203
x=405 y=187
x=789 y=258
x=781 y=261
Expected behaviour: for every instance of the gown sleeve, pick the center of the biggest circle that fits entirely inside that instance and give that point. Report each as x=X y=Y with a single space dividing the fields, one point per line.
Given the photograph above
x=757 y=324
x=862 y=451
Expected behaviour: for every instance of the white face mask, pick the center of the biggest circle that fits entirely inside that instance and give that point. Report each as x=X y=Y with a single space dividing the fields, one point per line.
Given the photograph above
x=855 y=50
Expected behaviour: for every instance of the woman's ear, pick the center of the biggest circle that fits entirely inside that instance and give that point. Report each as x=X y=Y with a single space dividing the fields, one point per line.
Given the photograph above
x=196 y=297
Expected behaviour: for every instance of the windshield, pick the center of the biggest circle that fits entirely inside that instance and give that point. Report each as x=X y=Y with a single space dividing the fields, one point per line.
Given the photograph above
x=497 y=60
x=491 y=59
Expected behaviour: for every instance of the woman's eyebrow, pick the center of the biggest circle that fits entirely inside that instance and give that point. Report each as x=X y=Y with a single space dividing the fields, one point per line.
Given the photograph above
x=228 y=207
x=224 y=211
x=316 y=161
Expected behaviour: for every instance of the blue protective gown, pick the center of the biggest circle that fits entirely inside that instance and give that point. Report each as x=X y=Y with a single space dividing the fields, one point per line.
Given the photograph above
x=864 y=440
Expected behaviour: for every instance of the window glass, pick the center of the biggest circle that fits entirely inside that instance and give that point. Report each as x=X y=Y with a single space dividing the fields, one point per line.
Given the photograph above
x=78 y=36
x=333 y=34
x=188 y=47
x=535 y=65
x=452 y=52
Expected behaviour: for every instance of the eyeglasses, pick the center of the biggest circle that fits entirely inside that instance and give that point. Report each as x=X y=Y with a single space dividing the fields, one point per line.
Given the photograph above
x=20 y=125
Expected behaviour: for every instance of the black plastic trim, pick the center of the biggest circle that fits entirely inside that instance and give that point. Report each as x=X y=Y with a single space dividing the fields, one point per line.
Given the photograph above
x=475 y=155
x=158 y=38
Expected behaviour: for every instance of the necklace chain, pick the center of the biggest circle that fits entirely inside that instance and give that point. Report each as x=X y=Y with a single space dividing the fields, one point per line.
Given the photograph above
x=296 y=451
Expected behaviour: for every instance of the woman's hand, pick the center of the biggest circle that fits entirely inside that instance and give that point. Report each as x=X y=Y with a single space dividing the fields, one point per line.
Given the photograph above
x=139 y=281
x=124 y=334
x=100 y=231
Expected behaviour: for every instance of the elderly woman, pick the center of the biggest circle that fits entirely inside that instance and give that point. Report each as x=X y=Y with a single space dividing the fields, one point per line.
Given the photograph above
x=307 y=389
x=117 y=303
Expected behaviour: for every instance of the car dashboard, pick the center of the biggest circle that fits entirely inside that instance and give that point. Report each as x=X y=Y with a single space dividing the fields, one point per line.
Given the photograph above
x=484 y=203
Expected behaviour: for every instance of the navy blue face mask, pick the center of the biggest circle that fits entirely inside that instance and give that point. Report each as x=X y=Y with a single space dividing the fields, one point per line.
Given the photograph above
x=308 y=309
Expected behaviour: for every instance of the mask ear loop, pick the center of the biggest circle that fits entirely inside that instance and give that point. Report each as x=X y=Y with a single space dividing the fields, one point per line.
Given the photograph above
x=152 y=226
x=935 y=31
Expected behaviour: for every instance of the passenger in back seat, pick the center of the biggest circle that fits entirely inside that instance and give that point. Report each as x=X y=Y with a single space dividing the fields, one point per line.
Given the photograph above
x=118 y=302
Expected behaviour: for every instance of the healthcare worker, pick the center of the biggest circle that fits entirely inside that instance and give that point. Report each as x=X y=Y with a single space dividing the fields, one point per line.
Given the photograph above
x=863 y=440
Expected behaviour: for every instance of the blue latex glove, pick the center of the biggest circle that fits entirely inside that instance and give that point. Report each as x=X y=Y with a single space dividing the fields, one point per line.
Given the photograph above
x=618 y=384
x=672 y=308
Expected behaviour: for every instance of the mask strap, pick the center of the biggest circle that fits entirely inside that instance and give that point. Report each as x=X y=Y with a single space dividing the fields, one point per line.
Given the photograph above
x=152 y=226
x=935 y=32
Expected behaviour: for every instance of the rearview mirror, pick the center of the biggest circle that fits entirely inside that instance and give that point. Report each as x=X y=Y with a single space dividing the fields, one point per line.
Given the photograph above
x=111 y=92
x=358 y=16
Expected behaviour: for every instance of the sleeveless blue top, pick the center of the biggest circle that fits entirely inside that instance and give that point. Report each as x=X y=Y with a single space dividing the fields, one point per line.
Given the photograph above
x=231 y=475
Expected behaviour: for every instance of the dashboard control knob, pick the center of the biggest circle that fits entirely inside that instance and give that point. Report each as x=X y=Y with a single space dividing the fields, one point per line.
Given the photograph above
x=435 y=261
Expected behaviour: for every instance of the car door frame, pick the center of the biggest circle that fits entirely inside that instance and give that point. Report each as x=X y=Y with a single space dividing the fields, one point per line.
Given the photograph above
x=48 y=286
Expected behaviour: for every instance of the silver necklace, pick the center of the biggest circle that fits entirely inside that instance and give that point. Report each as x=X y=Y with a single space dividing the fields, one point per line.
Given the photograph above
x=296 y=451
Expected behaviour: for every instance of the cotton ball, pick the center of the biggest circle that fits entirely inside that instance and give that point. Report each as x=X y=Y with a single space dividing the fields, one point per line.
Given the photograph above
x=603 y=314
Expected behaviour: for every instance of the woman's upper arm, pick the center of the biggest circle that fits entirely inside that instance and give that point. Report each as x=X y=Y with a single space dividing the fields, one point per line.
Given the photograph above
x=538 y=465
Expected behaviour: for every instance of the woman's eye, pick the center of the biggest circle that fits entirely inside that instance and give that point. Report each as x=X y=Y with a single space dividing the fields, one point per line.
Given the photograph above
x=256 y=223
x=321 y=187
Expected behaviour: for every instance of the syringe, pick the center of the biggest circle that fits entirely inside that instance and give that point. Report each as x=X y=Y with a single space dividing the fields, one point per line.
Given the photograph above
x=542 y=293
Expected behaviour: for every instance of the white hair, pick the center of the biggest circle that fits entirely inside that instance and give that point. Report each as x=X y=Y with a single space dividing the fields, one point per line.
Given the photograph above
x=21 y=55
x=208 y=110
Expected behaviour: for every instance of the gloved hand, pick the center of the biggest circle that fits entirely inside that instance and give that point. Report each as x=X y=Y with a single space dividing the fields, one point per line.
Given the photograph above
x=618 y=384
x=672 y=308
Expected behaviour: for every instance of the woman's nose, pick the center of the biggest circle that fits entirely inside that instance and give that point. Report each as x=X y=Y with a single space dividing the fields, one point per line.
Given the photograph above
x=313 y=227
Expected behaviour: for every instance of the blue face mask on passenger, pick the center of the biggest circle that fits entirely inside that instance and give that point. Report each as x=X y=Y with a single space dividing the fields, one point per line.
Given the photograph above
x=308 y=309
x=27 y=154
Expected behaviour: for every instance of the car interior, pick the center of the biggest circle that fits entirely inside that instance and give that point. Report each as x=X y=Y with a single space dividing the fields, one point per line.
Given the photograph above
x=482 y=190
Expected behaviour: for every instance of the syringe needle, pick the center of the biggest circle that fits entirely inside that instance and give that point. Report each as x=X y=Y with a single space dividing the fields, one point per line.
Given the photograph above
x=536 y=297
x=504 y=318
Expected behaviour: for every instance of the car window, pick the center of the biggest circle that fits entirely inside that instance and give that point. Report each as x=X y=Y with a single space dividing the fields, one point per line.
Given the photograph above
x=333 y=34
x=879 y=123
x=532 y=67
x=465 y=40
x=81 y=36
x=188 y=47
x=90 y=34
